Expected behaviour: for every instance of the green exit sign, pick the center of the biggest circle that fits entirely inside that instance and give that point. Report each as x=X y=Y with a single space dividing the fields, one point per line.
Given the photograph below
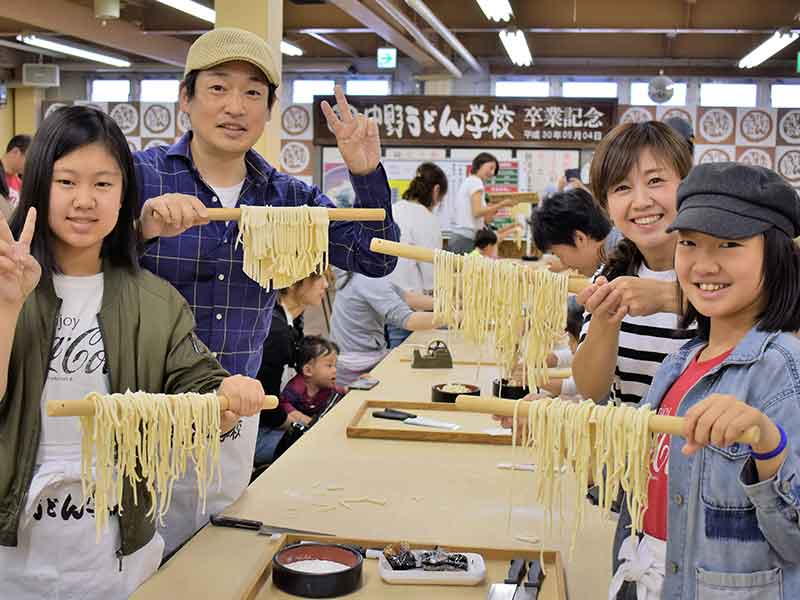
x=798 y=62
x=387 y=58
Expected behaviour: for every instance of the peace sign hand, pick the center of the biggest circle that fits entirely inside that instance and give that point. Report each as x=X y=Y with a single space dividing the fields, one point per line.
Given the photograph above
x=356 y=136
x=19 y=271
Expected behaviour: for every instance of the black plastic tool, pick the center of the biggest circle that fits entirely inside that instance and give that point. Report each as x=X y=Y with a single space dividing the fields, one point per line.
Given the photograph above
x=394 y=414
x=533 y=583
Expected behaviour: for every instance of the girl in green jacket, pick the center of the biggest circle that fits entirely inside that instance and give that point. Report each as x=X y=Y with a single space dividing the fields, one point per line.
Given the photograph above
x=78 y=316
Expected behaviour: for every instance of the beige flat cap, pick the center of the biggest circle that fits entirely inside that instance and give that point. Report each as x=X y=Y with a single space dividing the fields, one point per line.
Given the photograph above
x=226 y=44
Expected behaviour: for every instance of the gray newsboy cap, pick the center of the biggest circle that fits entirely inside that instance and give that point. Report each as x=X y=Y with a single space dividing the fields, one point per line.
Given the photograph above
x=734 y=201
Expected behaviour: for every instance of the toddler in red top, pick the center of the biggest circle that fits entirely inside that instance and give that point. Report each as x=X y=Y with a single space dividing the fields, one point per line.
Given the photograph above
x=310 y=392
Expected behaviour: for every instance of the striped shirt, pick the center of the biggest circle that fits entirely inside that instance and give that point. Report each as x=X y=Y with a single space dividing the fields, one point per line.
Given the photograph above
x=644 y=342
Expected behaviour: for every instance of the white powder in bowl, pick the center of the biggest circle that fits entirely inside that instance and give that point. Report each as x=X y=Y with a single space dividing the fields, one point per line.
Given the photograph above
x=317 y=566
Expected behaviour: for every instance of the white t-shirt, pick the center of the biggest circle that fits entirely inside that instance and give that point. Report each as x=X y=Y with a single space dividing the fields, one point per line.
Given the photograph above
x=228 y=196
x=56 y=554
x=464 y=224
x=644 y=342
x=420 y=227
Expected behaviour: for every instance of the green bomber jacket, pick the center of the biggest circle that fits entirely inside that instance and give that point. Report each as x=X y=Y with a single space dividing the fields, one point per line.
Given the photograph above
x=149 y=338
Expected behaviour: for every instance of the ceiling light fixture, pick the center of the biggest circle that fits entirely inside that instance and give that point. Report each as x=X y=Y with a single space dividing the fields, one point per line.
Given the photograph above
x=39 y=42
x=496 y=10
x=192 y=8
x=290 y=49
x=209 y=14
x=779 y=40
x=516 y=47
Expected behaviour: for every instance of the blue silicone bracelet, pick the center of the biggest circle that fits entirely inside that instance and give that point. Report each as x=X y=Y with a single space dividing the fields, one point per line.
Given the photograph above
x=781 y=447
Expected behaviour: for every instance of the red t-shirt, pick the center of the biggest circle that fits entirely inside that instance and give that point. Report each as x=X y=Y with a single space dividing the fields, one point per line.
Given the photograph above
x=655 y=518
x=14 y=186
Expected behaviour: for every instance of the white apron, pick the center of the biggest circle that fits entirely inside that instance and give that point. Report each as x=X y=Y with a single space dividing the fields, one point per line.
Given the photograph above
x=56 y=556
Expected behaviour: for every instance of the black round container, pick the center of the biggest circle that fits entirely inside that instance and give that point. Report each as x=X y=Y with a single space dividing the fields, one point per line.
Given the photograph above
x=317 y=585
x=510 y=392
x=438 y=395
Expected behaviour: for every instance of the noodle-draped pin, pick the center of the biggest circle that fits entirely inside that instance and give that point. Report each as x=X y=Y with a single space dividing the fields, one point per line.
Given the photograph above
x=612 y=444
x=522 y=311
x=137 y=435
x=283 y=244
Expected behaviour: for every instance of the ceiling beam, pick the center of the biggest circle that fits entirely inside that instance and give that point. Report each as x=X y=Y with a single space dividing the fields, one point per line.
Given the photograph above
x=361 y=13
x=78 y=21
x=335 y=43
x=582 y=30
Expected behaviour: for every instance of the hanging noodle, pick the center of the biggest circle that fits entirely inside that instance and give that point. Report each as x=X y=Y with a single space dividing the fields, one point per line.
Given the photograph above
x=283 y=244
x=610 y=444
x=516 y=309
x=139 y=436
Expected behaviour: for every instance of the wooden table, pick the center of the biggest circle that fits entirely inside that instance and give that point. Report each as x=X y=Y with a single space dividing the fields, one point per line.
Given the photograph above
x=442 y=493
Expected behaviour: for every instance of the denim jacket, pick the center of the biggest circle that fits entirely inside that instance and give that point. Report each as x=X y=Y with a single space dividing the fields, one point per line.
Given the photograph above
x=731 y=536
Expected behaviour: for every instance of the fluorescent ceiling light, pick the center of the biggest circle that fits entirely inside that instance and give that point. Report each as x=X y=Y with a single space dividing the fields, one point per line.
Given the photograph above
x=209 y=14
x=778 y=41
x=192 y=8
x=496 y=10
x=516 y=47
x=33 y=40
x=290 y=49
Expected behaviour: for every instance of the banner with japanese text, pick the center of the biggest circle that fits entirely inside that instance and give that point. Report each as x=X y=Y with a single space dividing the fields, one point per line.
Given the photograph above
x=478 y=121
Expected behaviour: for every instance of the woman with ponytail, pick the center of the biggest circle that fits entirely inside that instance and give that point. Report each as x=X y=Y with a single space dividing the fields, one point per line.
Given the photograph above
x=414 y=214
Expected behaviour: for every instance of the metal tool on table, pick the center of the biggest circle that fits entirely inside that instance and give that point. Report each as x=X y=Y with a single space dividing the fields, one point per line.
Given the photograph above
x=412 y=419
x=258 y=526
x=507 y=590
x=437 y=356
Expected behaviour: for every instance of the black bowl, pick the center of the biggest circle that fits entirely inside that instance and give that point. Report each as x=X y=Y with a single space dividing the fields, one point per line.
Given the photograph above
x=439 y=395
x=510 y=392
x=317 y=585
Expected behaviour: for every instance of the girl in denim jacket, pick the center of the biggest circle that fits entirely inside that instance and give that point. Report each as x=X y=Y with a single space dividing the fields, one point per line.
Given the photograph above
x=722 y=517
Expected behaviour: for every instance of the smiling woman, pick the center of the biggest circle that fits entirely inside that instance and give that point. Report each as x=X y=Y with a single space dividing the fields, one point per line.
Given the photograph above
x=631 y=322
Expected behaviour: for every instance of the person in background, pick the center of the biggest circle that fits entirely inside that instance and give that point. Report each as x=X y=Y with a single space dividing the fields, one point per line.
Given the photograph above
x=308 y=393
x=487 y=239
x=6 y=209
x=684 y=129
x=229 y=88
x=419 y=226
x=280 y=349
x=363 y=307
x=486 y=242
x=14 y=166
x=470 y=210
x=576 y=229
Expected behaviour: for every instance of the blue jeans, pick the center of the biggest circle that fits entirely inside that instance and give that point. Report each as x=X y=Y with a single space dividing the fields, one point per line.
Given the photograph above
x=396 y=335
x=266 y=442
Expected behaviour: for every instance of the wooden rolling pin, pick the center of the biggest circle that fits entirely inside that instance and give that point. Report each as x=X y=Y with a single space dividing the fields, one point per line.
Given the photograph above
x=505 y=408
x=334 y=214
x=552 y=373
x=85 y=407
x=518 y=197
x=577 y=283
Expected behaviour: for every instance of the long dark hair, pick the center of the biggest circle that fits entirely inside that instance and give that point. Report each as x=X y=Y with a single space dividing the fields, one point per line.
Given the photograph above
x=616 y=155
x=780 y=288
x=65 y=131
x=427 y=177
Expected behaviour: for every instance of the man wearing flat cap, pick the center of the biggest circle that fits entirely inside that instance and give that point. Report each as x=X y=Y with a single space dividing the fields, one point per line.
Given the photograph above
x=229 y=88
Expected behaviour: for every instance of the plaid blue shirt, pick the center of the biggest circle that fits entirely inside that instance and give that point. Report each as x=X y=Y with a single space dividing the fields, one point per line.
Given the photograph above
x=232 y=311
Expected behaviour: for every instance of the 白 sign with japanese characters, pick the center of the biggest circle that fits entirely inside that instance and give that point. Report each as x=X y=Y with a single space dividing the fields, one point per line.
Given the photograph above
x=478 y=121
